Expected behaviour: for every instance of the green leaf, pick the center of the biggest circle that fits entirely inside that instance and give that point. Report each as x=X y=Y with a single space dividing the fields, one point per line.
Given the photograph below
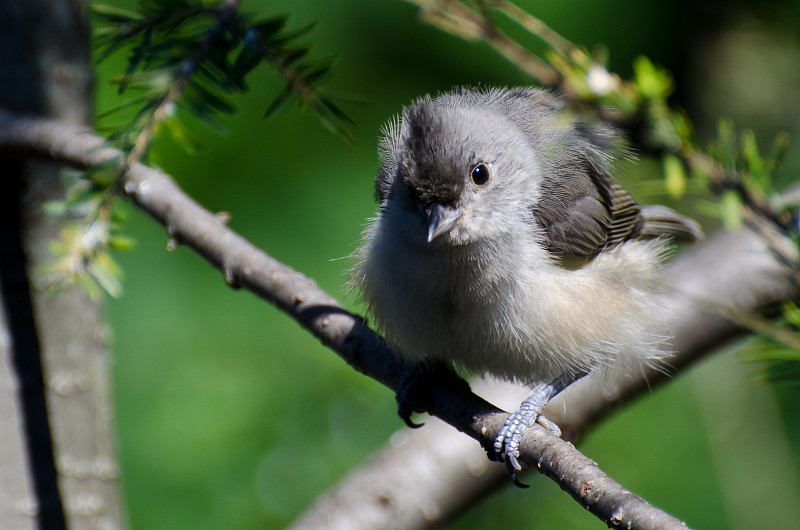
x=653 y=83
x=779 y=147
x=755 y=164
x=114 y=13
x=181 y=134
x=271 y=26
x=727 y=144
x=288 y=36
x=674 y=175
x=792 y=313
x=730 y=206
x=91 y=287
x=187 y=51
x=335 y=110
x=280 y=100
x=762 y=349
x=120 y=242
x=316 y=73
x=107 y=273
x=132 y=102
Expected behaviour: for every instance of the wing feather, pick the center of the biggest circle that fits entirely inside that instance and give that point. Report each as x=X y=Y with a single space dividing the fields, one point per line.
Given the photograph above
x=584 y=212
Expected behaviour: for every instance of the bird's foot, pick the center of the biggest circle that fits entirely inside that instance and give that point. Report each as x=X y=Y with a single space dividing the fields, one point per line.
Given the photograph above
x=415 y=386
x=506 y=445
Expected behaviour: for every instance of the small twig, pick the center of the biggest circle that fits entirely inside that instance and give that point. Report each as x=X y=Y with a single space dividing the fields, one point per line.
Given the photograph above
x=165 y=108
x=243 y=265
x=226 y=15
x=720 y=178
x=456 y=18
x=537 y=27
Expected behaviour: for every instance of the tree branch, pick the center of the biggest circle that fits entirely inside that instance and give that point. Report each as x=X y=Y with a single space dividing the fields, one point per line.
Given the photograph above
x=458 y=19
x=737 y=270
x=245 y=266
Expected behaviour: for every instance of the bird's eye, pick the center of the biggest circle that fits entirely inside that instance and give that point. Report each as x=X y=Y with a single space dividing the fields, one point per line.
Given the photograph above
x=480 y=174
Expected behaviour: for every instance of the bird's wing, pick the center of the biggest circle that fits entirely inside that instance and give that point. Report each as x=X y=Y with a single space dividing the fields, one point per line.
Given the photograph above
x=581 y=209
x=582 y=213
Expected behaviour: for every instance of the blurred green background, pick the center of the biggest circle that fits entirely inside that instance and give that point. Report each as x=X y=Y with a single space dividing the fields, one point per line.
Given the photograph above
x=231 y=416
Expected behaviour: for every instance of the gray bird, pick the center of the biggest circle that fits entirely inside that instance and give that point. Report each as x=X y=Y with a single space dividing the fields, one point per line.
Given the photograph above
x=504 y=246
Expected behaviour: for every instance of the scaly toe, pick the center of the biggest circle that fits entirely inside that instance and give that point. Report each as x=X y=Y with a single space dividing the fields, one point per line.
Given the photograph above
x=549 y=425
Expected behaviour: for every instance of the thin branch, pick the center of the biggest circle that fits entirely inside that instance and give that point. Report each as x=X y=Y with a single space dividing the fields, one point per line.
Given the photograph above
x=722 y=178
x=245 y=266
x=226 y=15
x=458 y=19
x=734 y=269
x=569 y=72
x=536 y=26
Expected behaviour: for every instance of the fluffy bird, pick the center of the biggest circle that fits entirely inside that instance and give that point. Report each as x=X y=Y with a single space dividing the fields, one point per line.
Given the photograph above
x=504 y=246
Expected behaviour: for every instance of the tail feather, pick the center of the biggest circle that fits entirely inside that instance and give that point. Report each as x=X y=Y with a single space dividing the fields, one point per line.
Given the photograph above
x=663 y=221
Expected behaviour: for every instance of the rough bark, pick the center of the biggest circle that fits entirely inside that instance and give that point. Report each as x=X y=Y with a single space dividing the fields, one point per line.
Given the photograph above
x=45 y=70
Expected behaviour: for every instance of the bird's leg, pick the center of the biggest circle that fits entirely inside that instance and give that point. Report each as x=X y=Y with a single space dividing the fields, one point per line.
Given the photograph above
x=416 y=381
x=506 y=445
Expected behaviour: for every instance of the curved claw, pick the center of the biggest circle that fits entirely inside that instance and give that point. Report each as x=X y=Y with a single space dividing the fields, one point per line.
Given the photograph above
x=506 y=445
x=517 y=482
x=404 y=398
x=415 y=385
x=513 y=463
x=405 y=409
x=406 y=391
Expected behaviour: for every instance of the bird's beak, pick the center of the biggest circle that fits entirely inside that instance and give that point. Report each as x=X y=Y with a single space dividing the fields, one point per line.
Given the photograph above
x=440 y=220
